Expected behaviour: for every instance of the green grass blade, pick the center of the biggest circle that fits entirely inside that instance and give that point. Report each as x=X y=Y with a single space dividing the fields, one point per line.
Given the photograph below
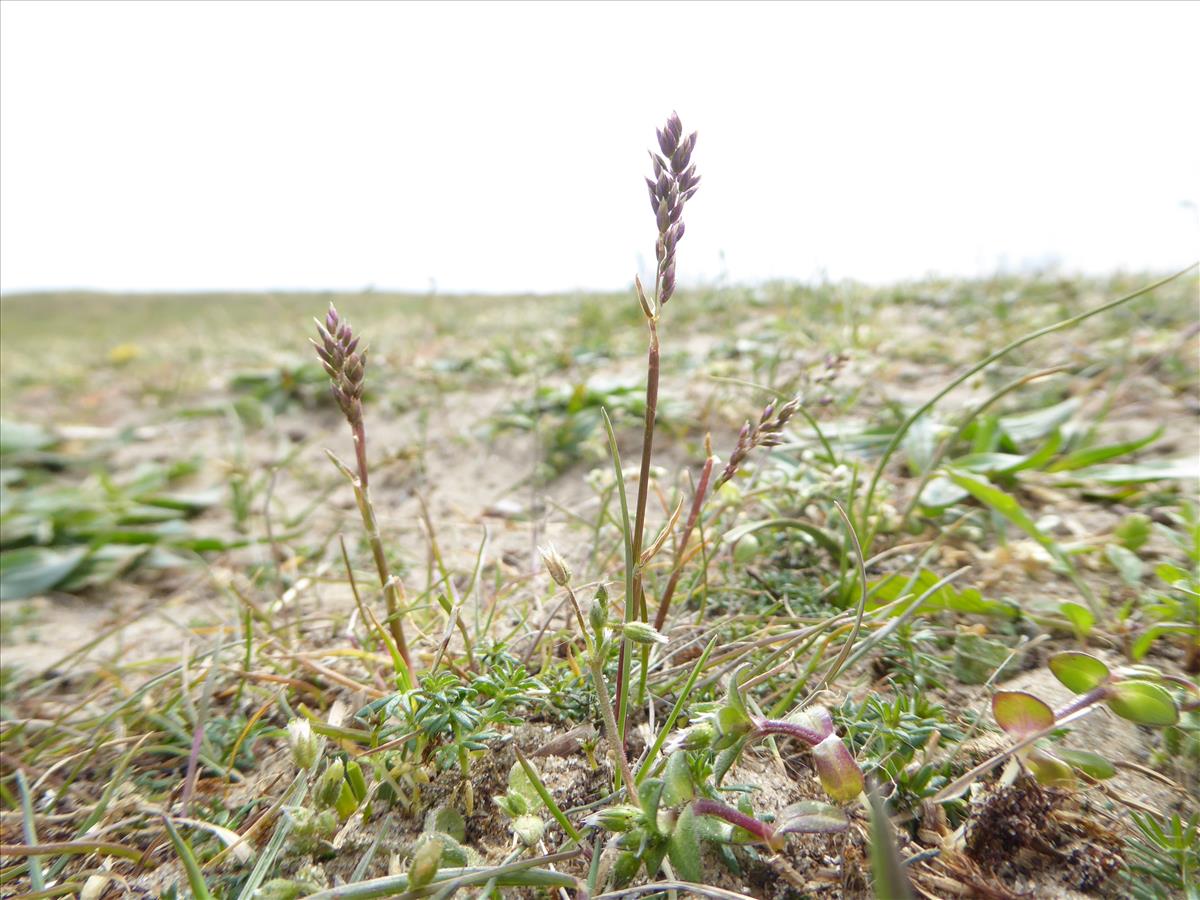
x=29 y=830
x=675 y=711
x=1006 y=505
x=266 y=859
x=891 y=881
x=630 y=562
x=548 y=798
x=898 y=436
x=194 y=876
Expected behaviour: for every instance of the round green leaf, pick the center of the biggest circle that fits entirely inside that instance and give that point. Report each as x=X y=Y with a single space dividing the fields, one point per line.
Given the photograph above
x=1088 y=763
x=1078 y=671
x=1049 y=769
x=812 y=817
x=1021 y=714
x=1143 y=702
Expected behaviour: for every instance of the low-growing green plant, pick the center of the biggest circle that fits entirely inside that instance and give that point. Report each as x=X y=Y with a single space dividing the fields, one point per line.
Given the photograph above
x=858 y=672
x=67 y=525
x=1137 y=694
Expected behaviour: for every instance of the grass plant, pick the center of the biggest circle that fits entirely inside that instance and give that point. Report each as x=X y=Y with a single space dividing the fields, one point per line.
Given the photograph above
x=858 y=678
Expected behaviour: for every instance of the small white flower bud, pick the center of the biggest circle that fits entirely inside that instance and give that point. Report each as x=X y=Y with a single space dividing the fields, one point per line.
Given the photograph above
x=305 y=746
x=555 y=565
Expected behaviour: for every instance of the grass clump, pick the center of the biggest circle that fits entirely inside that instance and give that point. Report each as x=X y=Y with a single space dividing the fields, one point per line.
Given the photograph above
x=902 y=640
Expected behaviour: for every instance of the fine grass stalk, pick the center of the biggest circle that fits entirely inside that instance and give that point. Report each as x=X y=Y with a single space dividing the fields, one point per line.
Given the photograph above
x=346 y=365
x=675 y=182
x=908 y=423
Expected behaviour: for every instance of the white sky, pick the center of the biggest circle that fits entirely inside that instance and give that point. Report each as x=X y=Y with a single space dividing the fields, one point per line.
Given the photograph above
x=501 y=147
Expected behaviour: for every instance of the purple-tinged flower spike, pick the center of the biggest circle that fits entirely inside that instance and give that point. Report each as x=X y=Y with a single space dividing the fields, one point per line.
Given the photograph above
x=836 y=767
x=343 y=362
x=768 y=432
x=674 y=183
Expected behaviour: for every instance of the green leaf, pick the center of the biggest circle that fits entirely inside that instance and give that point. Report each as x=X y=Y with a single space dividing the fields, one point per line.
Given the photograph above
x=1171 y=574
x=1005 y=505
x=1126 y=563
x=1140 y=473
x=994 y=498
x=967 y=600
x=977 y=659
x=1002 y=503
x=1133 y=531
x=1143 y=702
x=194 y=876
x=1020 y=713
x=23 y=437
x=1080 y=617
x=522 y=785
x=1003 y=464
x=1141 y=645
x=891 y=880
x=650 y=794
x=1081 y=459
x=991 y=463
x=1089 y=763
x=1048 y=768
x=105 y=564
x=34 y=570
x=677 y=778
x=812 y=817
x=683 y=847
x=940 y=492
x=920 y=443
x=1030 y=426
x=1079 y=672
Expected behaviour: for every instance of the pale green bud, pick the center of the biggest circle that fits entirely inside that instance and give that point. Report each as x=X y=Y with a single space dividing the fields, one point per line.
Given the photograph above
x=641 y=633
x=329 y=786
x=425 y=863
x=305 y=746
x=615 y=818
x=838 y=770
x=528 y=829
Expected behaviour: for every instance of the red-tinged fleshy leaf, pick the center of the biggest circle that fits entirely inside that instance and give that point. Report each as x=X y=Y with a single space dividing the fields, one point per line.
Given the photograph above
x=812 y=817
x=1021 y=714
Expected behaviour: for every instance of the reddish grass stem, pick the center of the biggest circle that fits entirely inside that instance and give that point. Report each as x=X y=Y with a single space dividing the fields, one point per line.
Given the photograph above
x=664 y=604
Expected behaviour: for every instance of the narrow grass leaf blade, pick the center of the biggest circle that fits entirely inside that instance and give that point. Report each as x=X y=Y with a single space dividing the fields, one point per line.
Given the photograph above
x=891 y=881
x=548 y=798
x=630 y=562
x=29 y=830
x=194 y=876
x=1081 y=459
x=675 y=711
